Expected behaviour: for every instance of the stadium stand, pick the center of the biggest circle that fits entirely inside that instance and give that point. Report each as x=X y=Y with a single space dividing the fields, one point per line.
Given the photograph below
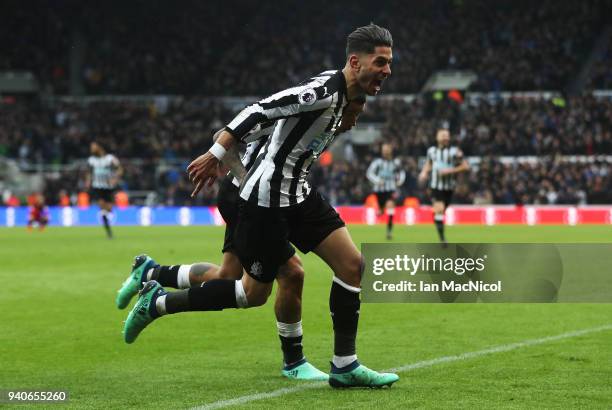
x=145 y=134
x=159 y=75
x=221 y=48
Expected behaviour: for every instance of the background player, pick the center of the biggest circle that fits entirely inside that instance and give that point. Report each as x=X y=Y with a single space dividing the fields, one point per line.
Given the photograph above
x=444 y=161
x=386 y=176
x=102 y=179
x=39 y=213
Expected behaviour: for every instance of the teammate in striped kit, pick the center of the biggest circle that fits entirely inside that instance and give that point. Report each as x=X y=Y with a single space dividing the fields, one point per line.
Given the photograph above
x=386 y=176
x=102 y=179
x=290 y=281
x=276 y=205
x=444 y=161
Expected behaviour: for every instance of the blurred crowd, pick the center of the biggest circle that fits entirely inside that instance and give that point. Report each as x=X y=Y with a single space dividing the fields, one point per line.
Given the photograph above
x=516 y=45
x=545 y=181
x=241 y=47
x=163 y=129
x=36 y=37
x=173 y=129
x=515 y=126
x=601 y=73
x=155 y=139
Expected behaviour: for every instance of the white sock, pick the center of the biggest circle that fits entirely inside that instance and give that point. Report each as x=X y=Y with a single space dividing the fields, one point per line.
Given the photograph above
x=289 y=329
x=343 y=361
x=182 y=278
x=346 y=285
x=241 y=299
x=160 y=305
x=150 y=274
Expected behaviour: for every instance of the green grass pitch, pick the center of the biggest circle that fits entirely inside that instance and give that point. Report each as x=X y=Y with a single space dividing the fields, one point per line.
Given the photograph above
x=60 y=329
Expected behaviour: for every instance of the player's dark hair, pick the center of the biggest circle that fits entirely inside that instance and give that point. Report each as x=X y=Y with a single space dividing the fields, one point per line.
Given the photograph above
x=361 y=99
x=99 y=144
x=365 y=39
x=443 y=125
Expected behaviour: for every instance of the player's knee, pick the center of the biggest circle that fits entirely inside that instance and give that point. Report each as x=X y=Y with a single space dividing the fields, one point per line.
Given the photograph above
x=293 y=271
x=291 y=279
x=226 y=272
x=257 y=296
x=353 y=267
x=256 y=299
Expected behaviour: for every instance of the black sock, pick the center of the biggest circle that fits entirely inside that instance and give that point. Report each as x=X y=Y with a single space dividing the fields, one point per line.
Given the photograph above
x=390 y=223
x=292 y=349
x=440 y=228
x=167 y=276
x=107 y=225
x=217 y=294
x=344 y=306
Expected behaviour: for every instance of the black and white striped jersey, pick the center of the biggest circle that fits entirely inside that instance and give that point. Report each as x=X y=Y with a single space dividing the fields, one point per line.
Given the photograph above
x=103 y=171
x=250 y=155
x=306 y=120
x=386 y=175
x=443 y=158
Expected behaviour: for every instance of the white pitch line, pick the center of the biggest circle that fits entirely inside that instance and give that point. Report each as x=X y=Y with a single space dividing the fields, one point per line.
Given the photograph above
x=418 y=365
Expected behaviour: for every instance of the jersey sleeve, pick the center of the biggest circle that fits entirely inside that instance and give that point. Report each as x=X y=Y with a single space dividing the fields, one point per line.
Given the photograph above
x=400 y=174
x=259 y=132
x=114 y=160
x=284 y=104
x=371 y=172
x=458 y=156
x=430 y=156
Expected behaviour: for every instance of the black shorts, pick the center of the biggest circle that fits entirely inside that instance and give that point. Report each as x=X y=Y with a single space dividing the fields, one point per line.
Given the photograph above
x=263 y=236
x=227 y=204
x=383 y=197
x=442 y=195
x=107 y=195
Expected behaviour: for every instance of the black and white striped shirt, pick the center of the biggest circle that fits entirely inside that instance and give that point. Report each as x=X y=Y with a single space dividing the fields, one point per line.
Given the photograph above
x=306 y=120
x=103 y=170
x=386 y=175
x=443 y=158
x=250 y=155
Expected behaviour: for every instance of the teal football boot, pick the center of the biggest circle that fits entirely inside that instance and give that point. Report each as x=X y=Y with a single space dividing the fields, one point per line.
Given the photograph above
x=143 y=312
x=303 y=370
x=357 y=375
x=133 y=283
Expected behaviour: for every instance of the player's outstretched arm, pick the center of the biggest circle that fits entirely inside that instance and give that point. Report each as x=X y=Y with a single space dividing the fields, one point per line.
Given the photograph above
x=118 y=171
x=284 y=104
x=371 y=173
x=401 y=175
x=425 y=171
x=463 y=166
x=203 y=169
x=87 y=179
x=232 y=160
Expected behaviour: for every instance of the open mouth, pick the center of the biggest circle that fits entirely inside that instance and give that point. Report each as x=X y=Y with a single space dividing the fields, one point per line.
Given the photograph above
x=377 y=85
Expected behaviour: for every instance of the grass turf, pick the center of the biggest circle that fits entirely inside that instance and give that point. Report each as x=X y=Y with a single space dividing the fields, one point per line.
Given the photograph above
x=60 y=329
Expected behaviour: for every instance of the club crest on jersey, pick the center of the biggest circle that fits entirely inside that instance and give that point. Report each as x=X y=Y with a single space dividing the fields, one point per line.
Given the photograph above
x=256 y=269
x=307 y=97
